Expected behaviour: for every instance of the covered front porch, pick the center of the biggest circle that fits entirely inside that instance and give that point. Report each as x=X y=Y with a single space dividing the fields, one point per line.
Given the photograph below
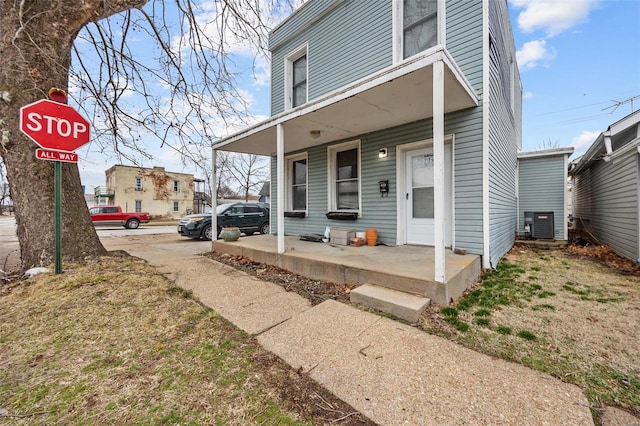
x=426 y=86
x=408 y=269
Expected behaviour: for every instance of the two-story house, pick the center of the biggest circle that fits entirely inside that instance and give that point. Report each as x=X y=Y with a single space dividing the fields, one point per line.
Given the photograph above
x=153 y=190
x=403 y=115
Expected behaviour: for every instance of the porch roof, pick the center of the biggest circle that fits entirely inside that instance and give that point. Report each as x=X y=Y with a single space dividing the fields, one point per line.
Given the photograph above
x=394 y=96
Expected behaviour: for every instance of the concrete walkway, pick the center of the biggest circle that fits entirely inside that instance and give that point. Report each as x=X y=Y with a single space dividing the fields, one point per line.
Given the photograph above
x=392 y=373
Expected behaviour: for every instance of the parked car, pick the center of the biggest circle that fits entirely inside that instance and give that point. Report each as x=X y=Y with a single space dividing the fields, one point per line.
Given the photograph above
x=249 y=217
x=113 y=215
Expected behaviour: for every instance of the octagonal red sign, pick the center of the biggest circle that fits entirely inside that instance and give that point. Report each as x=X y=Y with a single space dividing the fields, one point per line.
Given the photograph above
x=54 y=126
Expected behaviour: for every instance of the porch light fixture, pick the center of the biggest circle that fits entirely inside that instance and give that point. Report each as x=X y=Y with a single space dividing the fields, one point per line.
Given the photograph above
x=315 y=134
x=383 y=153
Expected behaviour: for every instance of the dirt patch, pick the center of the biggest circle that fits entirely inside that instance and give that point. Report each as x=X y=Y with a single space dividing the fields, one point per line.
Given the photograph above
x=316 y=291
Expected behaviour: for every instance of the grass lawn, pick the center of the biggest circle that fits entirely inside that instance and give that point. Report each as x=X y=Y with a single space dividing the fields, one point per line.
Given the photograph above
x=562 y=312
x=113 y=342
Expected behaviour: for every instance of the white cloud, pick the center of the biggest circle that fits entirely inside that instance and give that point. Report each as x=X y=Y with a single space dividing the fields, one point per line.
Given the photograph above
x=584 y=140
x=533 y=53
x=552 y=16
x=527 y=95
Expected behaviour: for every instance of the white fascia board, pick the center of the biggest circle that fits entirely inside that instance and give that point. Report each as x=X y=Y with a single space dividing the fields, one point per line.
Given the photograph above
x=624 y=123
x=390 y=73
x=630 y=148
x=459 y=75
x=588 y=156
x=546 y=152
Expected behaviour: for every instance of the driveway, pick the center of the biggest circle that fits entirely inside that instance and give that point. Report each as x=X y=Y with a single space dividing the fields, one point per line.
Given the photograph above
x=10 y=248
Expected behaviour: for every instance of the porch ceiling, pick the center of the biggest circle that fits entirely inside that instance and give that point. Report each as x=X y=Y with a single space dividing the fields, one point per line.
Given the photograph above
x=397 y=95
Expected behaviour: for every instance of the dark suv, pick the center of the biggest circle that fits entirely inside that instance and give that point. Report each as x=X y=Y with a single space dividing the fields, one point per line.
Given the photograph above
x=249 y=217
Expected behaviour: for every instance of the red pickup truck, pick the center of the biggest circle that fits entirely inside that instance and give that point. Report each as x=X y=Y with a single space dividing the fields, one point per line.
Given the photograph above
x=113 y=215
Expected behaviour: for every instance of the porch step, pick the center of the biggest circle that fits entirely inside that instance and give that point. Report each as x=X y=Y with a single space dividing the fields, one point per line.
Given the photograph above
x=403 y=305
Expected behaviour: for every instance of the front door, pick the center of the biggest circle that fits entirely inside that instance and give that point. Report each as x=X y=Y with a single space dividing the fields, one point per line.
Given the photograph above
x=419 y=196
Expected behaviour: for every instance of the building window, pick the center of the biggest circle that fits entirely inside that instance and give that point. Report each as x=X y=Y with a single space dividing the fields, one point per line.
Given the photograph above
x=138 y=206
x=296 y=78
x=138 y=186
x=176 y=206
x=297 y=182
x=415 y=27
x=420 y=26
x=176 y=186
x=344 y=177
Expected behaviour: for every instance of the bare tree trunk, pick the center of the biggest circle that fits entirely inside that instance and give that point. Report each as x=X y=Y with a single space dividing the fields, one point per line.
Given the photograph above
x=35 y=52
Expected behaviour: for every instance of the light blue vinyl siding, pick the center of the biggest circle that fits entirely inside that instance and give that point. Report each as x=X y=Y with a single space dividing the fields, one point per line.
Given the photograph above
x=464 y=38
x=542 y=188
x=346 y=44
x=502 y=135
x=607 y=204
x=380 y=212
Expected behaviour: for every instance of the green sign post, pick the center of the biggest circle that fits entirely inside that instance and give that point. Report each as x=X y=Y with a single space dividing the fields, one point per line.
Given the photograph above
x=59 y=130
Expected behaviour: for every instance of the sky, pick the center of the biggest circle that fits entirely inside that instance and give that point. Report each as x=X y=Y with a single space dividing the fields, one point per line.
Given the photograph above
x=579 y=62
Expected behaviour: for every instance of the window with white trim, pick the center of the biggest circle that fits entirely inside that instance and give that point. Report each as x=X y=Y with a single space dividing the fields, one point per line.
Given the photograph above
x=344 y=177
x=176 y=206
x=297 y=182
x=138 y=206
x=416 y=26
x=138 y=186
x=176 y=186
x=296 y=78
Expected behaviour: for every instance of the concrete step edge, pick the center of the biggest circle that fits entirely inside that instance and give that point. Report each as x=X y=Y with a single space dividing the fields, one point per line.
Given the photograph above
x=403 y=305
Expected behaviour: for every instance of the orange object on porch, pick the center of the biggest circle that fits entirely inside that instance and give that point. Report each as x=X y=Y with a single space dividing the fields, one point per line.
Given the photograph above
x=372 y=236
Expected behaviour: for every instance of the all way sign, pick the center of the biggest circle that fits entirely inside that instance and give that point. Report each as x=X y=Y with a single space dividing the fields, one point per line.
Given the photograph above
x=46 y=154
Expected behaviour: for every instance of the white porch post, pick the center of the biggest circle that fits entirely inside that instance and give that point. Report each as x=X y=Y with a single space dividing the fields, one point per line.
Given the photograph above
x=438 y=170
x=280 y=191
x=214 y=197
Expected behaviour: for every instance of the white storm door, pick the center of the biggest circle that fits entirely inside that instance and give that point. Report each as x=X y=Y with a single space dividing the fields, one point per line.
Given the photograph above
x=419 y=196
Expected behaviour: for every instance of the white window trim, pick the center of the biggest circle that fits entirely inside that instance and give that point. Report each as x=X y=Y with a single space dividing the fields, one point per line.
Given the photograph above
x=288 y=200
x=135 y=183
x=176 y=206
x=176 y=186
x=398 y=29
x=331 y=170
x=288 y=74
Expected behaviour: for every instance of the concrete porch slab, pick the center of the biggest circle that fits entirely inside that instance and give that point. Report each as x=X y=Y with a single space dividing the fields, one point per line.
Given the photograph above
x=409 y=269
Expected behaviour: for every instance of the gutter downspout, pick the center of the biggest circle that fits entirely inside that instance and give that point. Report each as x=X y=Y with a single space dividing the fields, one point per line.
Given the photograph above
x=607 y=146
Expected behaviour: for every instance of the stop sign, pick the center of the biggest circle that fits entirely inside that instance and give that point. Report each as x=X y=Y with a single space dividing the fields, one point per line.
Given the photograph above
x=53 y=125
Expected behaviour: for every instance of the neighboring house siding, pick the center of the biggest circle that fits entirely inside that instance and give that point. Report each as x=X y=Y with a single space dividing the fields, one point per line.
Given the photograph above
x=612 y=195
x=339 y=52
x=502 y=135
x=464 y=38
x=542 y=188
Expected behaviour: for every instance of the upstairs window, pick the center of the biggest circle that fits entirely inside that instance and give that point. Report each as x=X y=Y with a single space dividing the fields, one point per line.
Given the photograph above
x=176 y=186
x=296 y=78
x=420 y=26
x=138 y=186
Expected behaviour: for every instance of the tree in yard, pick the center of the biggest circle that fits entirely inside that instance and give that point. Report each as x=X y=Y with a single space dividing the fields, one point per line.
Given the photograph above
x=248 y=171
x=183 y=86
